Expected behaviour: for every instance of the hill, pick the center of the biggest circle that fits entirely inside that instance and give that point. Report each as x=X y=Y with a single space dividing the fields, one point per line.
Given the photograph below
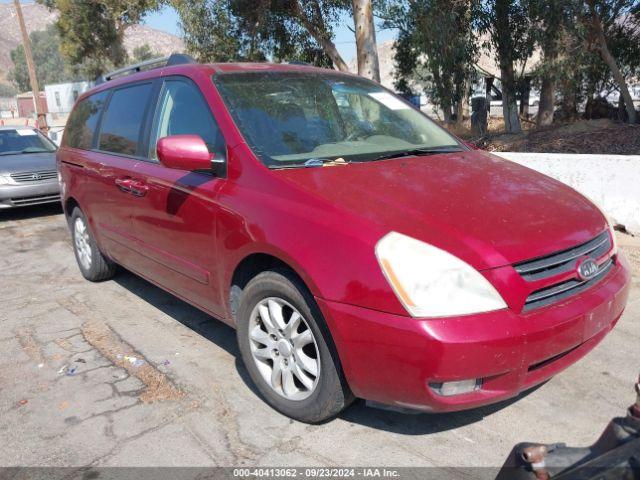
x=37 y=17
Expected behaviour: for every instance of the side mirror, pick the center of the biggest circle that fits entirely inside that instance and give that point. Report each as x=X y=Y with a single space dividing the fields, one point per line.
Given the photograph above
x=185 y=152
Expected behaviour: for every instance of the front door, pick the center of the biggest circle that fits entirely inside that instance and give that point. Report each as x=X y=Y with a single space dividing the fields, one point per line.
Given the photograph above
x=175 y=211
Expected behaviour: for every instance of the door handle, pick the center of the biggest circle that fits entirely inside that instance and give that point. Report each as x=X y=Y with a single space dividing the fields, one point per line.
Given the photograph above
x=124 y=184
x=138 y=188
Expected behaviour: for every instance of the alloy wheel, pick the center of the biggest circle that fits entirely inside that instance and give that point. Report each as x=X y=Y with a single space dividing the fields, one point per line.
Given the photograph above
x=284 y=348
x=81 y=240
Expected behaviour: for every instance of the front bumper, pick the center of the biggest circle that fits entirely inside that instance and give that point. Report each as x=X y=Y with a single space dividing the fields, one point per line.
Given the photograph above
x=19 y=195
x=391 y=359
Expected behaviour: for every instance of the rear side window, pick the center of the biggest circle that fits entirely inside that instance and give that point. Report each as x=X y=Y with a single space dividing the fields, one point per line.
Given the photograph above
x=122 y=123
x=83 y=122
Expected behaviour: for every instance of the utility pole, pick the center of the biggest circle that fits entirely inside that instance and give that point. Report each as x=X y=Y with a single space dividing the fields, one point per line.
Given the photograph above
x=42 y=118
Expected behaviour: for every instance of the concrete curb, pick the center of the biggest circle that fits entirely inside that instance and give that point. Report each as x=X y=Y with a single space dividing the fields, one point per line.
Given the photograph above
x=611 y=181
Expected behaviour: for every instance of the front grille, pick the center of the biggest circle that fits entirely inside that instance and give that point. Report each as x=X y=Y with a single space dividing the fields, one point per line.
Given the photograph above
x=562 y=262
x=548 y=295
x=35 y=200
x=34 y=176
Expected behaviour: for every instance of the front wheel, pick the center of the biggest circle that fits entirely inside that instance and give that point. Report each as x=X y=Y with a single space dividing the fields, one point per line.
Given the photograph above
x=285 y=348
x=94 y=266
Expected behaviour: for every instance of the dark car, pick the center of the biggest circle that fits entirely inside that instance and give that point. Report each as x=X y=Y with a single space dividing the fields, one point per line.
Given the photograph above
x=358 y=248
x=28 y=174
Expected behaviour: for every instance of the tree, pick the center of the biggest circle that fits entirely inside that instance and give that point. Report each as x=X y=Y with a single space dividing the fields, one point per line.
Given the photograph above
x=311 y=15
x=142 y=53
x=7 y=90
x=436 y=48
x=550 y=17
x=92 y=32
x=367 y=52
x=50 y=65
x=256 y=30
x=508 y=23
x=592 y=18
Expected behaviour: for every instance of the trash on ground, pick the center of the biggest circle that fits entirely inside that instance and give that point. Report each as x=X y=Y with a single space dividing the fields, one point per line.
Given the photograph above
x=24 y=401
x=40 y=365
x=135 y=361
x=63 y=369
x=81 y=360
x=165 y=363
x=72 y=371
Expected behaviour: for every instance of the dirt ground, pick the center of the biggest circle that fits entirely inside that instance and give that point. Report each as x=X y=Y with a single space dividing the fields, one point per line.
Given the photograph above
x=586 y=136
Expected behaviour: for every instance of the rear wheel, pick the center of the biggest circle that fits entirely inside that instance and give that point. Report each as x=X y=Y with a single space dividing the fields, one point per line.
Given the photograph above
x=94 y=266
x=285 y=347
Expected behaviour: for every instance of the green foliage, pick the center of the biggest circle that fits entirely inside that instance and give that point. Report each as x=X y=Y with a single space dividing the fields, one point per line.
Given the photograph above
x=142 y=53
x=255 y=30
x=436 y=47
x=92 y=32
x=7 y=90
x=50 y=65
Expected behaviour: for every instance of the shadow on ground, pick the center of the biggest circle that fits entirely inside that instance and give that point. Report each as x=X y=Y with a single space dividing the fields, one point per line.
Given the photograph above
x=26 y=213
x=225 y=337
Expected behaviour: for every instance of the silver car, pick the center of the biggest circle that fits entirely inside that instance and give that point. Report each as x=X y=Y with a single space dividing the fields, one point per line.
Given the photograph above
x=28 y=174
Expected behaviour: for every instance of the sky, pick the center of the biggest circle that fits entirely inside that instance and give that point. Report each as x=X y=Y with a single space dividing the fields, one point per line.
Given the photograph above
x=167 y=20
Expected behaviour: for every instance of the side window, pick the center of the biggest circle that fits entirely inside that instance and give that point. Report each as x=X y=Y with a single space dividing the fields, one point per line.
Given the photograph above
x=182 y=110
x=83 y=122
x=122 y=124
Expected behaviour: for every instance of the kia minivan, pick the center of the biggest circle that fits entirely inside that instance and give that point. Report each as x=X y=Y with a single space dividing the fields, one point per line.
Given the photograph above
x=358 y=248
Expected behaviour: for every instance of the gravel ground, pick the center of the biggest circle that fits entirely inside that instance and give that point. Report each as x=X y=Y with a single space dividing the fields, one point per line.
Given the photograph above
x=123 y=374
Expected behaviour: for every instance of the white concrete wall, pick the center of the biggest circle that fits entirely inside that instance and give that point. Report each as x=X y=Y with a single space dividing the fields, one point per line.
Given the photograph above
x=64 y=94
x=611 y=181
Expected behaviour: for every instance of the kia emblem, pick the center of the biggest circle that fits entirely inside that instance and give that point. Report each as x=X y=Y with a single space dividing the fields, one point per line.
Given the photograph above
x=587 y=269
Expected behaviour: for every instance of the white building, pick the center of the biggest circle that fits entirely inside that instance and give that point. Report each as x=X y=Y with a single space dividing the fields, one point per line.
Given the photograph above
x=62 y=96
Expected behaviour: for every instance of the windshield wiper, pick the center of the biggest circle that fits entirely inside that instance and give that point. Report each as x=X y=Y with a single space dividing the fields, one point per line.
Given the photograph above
x=417 y=152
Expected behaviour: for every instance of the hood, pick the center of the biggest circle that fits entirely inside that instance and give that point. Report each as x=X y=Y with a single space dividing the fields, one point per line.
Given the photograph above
x=485 y=210
x=27 y=162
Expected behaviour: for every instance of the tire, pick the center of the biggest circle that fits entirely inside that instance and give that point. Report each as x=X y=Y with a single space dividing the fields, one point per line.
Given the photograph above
x=93 y=265
x=297 y=393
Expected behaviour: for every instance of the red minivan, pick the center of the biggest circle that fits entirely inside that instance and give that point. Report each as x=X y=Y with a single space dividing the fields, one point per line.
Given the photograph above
x=359 y=249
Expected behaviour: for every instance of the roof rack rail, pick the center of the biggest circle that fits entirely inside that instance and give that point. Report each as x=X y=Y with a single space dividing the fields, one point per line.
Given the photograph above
x=173 y=59
x=299 y=62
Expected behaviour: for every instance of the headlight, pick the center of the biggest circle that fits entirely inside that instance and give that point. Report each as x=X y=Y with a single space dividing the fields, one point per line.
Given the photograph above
x=431 y=282
x=5 y=180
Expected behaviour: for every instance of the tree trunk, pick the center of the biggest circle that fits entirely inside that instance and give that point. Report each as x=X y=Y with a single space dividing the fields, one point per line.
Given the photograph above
x=525 y=94
x=320 y=37
x=505 y=60
x=509 y=103
x=547 y=101
x=465 y=98
x=367 y=52
x=510 y=113
x=446 y=112
x=596 y=25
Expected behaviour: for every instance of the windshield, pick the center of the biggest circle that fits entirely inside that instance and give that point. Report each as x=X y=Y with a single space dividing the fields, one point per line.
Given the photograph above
x=24 y=140
x=292 y=118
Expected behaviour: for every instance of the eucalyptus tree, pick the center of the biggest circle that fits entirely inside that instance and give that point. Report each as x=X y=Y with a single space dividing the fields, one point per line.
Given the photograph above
x=510 y=28
x=436 y=47
x=92 y=32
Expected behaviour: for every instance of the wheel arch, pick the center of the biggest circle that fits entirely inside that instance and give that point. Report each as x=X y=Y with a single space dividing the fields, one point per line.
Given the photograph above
x=69 y=204
x=254 y=263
